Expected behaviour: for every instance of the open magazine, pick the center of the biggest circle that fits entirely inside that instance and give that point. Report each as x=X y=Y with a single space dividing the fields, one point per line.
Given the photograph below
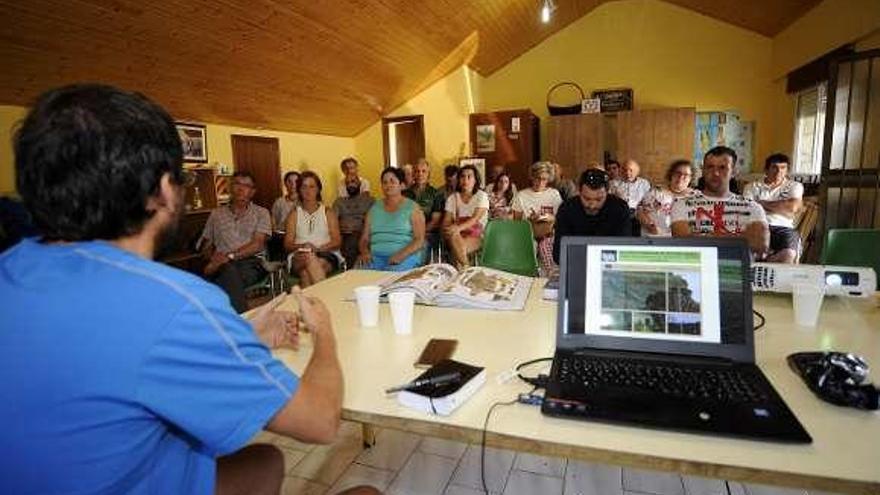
x=475 y=287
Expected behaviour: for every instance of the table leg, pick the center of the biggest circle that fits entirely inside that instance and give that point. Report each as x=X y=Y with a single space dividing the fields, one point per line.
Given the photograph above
x=368 y=433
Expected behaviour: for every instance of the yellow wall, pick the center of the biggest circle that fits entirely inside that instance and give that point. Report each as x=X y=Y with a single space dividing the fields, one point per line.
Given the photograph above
x=445 y=105
x=827 y=26
x=669 y=56
x=9 y=117
x=321 y=154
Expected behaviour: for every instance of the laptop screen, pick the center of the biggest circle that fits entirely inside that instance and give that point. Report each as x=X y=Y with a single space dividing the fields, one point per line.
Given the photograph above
x=688 y=296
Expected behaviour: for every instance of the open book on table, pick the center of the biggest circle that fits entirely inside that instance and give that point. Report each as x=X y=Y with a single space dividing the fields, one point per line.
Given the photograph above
x=475 y=287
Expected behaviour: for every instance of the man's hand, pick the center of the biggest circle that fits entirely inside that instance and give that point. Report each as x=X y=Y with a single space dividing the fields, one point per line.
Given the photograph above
x=314 y=314
x=277 y=329
x=363 y=259
x=217 y=260
x=396 y=258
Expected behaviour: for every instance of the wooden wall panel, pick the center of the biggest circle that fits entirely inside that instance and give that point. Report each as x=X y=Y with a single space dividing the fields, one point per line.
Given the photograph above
x=576 y=141
x=655 y=137
x=318 y=67
x=260 y=156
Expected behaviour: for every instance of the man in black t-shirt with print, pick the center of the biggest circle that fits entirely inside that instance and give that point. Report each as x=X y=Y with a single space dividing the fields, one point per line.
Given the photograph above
x=593 y=212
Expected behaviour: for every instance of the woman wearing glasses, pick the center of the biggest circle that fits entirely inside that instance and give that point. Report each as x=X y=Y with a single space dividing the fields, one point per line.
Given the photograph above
x=654 y=211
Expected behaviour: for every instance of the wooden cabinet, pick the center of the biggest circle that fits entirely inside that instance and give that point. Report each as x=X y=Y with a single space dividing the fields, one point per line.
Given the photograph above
x=654 y=138
x=510 y=138
x=200 y=198
x=576 y=141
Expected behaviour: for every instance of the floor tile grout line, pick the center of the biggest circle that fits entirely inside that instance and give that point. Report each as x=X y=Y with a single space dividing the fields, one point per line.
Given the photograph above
x=564 y=474
x=455 y=469
x=507 y=479
x=403 y=466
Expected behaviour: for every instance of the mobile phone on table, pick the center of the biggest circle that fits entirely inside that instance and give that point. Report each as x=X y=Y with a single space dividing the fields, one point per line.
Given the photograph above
x=435 y=351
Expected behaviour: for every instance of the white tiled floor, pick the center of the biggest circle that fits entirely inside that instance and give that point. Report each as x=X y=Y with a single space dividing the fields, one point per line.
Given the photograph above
x=407 y=464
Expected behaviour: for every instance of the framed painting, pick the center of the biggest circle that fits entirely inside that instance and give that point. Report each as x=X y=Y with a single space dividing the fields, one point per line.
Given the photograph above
x=194 y=142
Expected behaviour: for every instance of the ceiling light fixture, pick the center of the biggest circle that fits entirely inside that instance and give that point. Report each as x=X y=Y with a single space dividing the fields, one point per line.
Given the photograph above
x=547 y=9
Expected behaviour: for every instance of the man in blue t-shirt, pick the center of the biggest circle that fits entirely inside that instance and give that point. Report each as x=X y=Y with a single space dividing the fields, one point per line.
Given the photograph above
x=122 y=375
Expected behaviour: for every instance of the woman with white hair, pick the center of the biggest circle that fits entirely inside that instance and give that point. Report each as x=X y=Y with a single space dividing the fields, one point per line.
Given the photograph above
x=538 y=204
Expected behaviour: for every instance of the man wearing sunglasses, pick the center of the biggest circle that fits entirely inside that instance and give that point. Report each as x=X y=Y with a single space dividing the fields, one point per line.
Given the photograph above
x=592 y=212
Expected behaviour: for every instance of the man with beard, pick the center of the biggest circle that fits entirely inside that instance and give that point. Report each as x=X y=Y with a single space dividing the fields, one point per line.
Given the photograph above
x=593 y=212
x=233 y=237
x=718 y=212
x=125 y=375
x=351 y=209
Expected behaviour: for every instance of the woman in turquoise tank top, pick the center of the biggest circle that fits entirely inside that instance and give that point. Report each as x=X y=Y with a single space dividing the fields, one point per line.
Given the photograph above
x=394 y=229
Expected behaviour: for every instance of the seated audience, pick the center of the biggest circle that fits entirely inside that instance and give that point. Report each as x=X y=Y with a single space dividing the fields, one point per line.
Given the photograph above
x=450 y=178
x=285 y=204
x=351 y=211
x=233 y=237
x=132 y=376
x=312 y=234
x=593 y=212
x=407 y=175
x=431 y=202
x=654 y=210
x=467 y=212
x=781 y=198
x=501 y=198
x=561 y=183
x=349 y=167
x=631 y=188
x=495 y=171
x=613 y=168
x=538 y=204
x=717 y=211
x=394 y=230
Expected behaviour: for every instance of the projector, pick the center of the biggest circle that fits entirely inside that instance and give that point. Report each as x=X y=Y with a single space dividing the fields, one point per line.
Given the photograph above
x=850 y=281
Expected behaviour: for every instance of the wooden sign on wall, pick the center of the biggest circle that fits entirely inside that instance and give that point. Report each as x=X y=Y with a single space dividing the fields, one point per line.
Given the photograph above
x=614 y=100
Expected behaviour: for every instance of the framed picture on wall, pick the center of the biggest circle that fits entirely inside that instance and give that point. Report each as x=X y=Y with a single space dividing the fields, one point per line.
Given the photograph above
x=195 y=146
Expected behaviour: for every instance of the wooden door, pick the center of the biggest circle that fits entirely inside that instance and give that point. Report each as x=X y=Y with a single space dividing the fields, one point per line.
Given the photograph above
x=260 y=157
x=510 y=138
x=576 y=141
x=654 y=138
x=408 y=134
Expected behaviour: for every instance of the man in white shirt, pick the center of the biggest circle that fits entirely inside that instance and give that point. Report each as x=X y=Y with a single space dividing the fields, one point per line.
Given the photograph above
x=781 y=198
x=631 y=188
x=718 y=212
x=349 y=168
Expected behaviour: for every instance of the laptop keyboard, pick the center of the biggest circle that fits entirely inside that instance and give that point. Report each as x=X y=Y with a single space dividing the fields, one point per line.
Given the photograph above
x=713 y=384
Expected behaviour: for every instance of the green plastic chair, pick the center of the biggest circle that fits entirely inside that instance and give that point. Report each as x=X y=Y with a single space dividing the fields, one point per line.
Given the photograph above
x=853 y=247
x=508 y=245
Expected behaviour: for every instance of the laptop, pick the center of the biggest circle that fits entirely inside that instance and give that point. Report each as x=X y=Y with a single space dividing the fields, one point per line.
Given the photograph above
x=658 y=332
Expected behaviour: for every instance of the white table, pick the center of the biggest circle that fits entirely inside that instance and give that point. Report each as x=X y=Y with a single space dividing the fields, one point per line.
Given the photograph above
x=844 y=456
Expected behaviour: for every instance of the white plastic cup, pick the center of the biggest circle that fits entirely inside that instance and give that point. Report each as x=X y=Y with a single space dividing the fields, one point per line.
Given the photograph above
x=402 y=311
x=807 y=300
x=368 y=304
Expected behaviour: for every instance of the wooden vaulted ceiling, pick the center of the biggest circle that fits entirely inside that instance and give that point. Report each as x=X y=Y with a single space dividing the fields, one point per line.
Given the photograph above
x=315 y=66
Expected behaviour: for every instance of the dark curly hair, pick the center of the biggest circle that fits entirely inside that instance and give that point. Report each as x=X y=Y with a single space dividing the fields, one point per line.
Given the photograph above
x=88 y=157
